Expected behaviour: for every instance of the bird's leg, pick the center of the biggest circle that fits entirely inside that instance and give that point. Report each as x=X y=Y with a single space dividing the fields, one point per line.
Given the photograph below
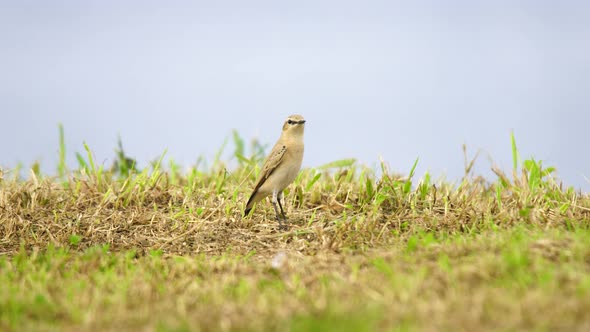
x=279 y=198
x=274 y=201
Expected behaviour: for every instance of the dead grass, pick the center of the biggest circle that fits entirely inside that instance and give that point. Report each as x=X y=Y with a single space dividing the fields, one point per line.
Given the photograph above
x=168 y=251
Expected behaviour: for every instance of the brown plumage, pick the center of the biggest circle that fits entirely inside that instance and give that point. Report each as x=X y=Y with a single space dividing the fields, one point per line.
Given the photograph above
x=281 y=166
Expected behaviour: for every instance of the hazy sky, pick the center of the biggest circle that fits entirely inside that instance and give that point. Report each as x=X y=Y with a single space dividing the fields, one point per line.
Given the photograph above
x=394 y=79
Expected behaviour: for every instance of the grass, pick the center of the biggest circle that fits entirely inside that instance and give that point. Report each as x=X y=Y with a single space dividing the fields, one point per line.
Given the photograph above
x=161 y=249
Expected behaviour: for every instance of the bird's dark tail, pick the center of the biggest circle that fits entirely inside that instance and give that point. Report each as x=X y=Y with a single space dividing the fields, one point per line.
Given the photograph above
x=249 y=205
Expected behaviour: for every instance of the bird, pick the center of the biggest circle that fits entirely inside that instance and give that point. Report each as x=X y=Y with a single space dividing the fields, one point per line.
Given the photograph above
x=280 y=167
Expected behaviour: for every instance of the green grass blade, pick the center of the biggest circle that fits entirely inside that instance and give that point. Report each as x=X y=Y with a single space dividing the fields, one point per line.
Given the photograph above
x=343 y=163
x=515 y=158
x=408 y=183
x=90 y=158
x=81 y=162
x=61 y=167
x=312 y=181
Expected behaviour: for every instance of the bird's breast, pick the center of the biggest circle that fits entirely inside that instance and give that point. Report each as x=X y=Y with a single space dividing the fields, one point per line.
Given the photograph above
x=289 y=168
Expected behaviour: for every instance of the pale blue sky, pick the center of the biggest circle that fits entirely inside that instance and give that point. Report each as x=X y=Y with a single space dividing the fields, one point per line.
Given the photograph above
x=394 y=79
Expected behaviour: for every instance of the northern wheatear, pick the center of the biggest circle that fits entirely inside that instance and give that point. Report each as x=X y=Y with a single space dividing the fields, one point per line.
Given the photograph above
x=281 y=166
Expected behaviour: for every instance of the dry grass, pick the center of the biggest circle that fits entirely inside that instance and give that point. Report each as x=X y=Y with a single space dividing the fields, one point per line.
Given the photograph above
x=169 y=251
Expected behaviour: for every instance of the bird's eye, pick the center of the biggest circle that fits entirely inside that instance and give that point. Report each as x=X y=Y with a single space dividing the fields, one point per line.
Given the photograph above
x=290 y=122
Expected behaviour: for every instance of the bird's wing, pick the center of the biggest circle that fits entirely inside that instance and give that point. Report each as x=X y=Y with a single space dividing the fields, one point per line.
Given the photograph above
x=273 y=161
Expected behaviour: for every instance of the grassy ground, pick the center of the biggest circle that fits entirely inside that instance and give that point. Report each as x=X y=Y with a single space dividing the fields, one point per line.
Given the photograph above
x=156 y=250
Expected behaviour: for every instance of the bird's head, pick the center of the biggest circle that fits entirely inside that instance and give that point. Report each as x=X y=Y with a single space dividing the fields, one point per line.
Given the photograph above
x=294 y=125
